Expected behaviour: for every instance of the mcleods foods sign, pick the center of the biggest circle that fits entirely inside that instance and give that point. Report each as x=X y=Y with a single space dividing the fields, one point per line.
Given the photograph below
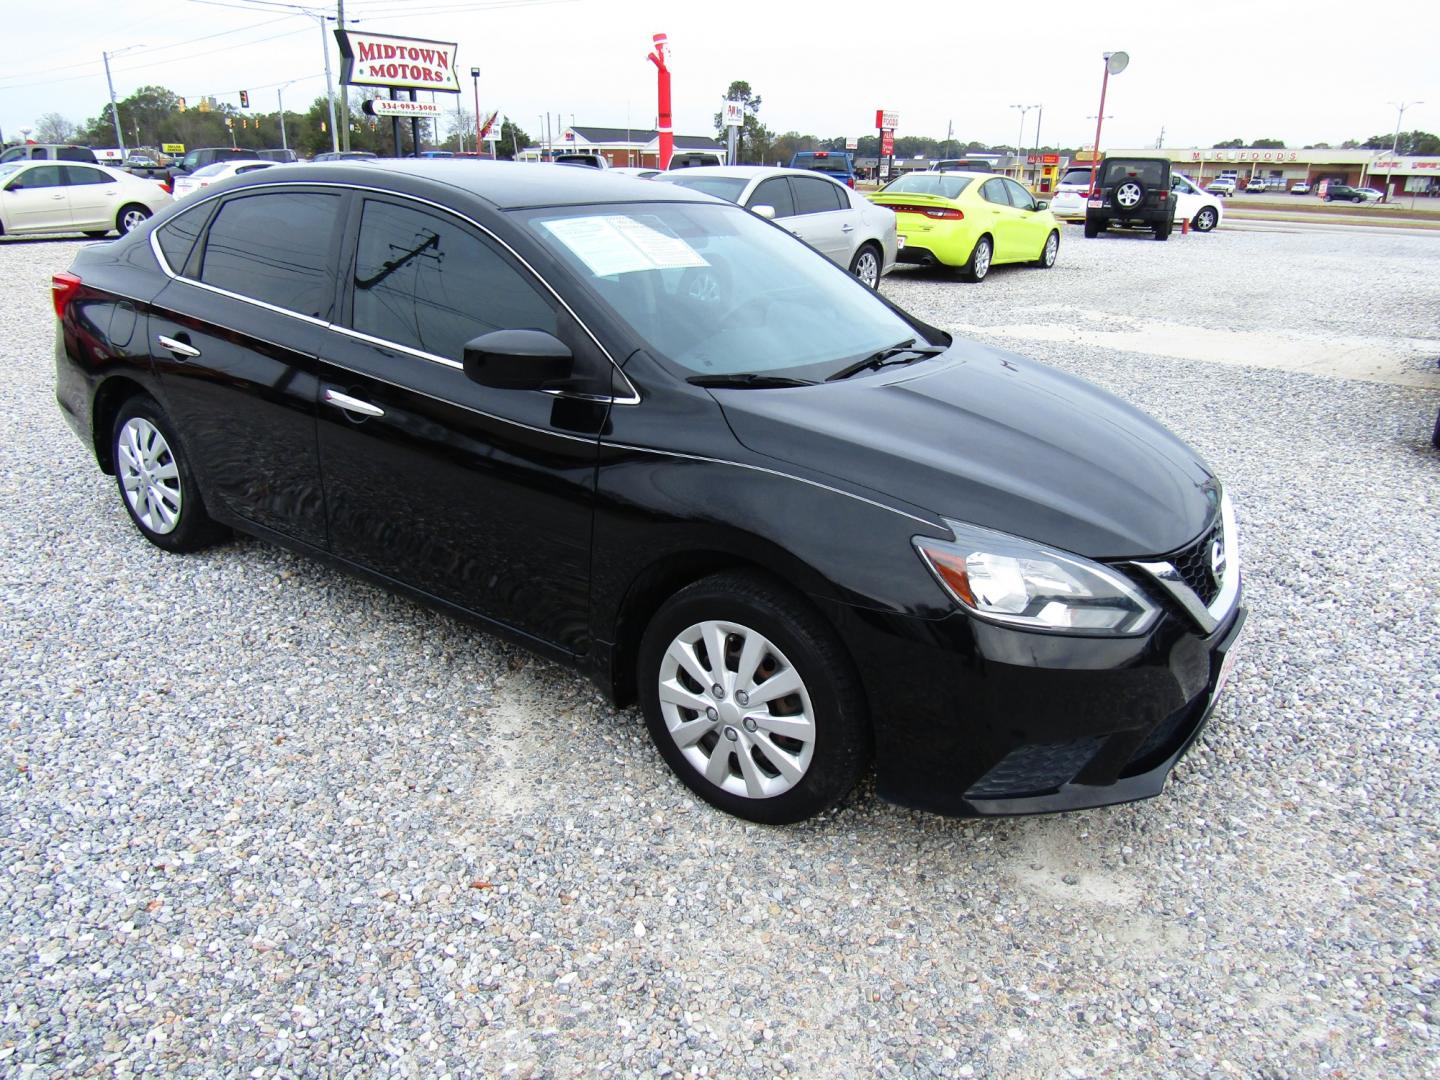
x=401 y=62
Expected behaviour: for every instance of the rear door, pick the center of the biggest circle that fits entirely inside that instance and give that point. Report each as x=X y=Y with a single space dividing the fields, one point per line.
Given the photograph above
x=820 y=218
x=94 y=196
x=477 y=496
x=36 y=199
x=235 y=338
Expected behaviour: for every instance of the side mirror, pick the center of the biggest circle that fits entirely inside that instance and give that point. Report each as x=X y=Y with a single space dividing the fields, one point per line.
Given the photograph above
x=518 y=360
x=1043 y=204
x=767 y=212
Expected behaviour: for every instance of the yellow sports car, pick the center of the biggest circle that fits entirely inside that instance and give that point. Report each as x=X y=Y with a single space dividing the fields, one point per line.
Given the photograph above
x=970 y=220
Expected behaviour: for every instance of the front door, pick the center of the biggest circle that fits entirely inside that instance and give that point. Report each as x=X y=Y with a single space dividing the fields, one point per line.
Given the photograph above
x=1031 y=228
x=36 y=199
x=476 y=496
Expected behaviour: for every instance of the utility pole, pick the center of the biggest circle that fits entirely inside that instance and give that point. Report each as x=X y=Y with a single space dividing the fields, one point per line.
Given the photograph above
x=1020 y=139
x=344 y=90
x=1039 y=115
x=1395 y=143
x=115 y=109
x=330 y=84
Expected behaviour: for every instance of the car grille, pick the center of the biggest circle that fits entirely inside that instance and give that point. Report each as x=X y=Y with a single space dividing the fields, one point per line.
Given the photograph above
x=1193 y=565
x=1034 y=770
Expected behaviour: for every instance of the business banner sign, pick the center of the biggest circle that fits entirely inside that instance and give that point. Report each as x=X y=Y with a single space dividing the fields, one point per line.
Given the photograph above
x=400 y=62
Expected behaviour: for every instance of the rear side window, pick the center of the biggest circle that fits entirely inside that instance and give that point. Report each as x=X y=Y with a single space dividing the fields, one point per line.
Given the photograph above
x=177 y=236
x=774 y=192
x=427 y=282
x=814 y=196
x=993 y=191
x=77 y=175
x=275 y=247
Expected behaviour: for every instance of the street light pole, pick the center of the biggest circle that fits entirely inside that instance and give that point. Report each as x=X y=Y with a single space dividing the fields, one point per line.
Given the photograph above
x=330 y=85
x=475 y=74
x=1116 y=62
x=1395 y=143
x=1020 y=139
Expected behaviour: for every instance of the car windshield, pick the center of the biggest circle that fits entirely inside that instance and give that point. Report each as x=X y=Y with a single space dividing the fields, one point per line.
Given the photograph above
x=10 y=168
x=728 y=188
x=947 y=187
x=718 y=291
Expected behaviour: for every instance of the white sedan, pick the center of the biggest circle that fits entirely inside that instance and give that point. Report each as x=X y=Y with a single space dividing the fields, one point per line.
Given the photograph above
x=69 y=196
x=839 y=223
x=213 y=174
x=1191 y=201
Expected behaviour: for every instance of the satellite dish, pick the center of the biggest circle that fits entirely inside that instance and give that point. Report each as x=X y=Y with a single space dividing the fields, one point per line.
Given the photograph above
x=1117 y=62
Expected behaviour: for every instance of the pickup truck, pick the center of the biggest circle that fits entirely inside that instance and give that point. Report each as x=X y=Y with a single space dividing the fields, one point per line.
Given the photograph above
x=836 y=164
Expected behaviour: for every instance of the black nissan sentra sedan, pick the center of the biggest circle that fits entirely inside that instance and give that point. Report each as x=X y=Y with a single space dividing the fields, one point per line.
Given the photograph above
x=653 y=435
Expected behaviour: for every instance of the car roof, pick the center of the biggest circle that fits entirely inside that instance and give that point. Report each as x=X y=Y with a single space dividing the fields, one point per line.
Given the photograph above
x=949 y=172
x=506 y=185
x=745 y=172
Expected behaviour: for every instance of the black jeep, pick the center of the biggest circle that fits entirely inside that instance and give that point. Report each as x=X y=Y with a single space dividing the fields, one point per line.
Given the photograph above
x=1131 y=191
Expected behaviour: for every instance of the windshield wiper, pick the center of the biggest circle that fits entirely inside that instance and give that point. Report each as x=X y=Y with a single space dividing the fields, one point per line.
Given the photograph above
x=747 y=380
x=886 y=357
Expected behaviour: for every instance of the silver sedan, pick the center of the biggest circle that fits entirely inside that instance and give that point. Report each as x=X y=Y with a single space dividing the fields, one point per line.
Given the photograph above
x=837 y=222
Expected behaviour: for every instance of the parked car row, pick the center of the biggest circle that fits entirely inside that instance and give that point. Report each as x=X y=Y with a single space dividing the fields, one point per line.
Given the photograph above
x=1200 y=208
x=646 y=433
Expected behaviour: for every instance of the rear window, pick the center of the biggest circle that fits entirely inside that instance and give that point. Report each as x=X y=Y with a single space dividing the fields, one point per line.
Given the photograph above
x=1076 y=176
x=947 y=187
x=275 y=248
x=1147 y=172
x=722 y=187
x=831 y=163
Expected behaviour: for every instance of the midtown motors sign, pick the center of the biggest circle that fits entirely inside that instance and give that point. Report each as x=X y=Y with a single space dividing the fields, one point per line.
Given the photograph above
x=400 y=62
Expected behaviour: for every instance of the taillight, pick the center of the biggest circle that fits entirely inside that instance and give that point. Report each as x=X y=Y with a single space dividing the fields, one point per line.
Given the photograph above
x=850 y=181
x=169 y=189
x=941 y=213
x=63 y=288
x=1163 y=195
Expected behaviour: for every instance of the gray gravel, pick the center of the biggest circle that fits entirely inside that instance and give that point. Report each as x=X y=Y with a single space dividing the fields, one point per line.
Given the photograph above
x=257 y=818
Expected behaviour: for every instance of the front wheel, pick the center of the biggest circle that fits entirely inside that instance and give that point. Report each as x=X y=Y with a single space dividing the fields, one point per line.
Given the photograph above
x=866 y=266
x=1050 y=252
x=155 y=481
x=1206 y=219
x=752 y=700
x=131 y=217
x=979 y=263
x=1358 y=199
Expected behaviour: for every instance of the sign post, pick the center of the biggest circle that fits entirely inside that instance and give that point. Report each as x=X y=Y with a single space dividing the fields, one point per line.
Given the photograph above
x=734 y=121
x=886 y=121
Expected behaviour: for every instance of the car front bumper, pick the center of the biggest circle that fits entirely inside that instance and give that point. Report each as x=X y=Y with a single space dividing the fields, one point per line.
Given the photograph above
x=974 y=719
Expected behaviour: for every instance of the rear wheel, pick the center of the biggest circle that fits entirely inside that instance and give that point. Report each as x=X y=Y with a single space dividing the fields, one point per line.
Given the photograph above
x=752 y=700
x=96 y=234
x=979 y=263
x=866 y=266
x=1358 y=199
x=1162 y=232
x=1050 y=251
x=155 y=481
x=131 y=217
x=1092 y=228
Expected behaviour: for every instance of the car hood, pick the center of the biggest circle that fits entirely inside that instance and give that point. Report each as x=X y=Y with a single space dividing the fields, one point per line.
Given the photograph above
x=997 y=440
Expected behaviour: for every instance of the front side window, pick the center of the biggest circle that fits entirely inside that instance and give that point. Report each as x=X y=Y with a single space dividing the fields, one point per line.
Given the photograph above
x=428 y=282
x=774 y=192
x=1019 y=197
x=276 y=247
x=42 y=176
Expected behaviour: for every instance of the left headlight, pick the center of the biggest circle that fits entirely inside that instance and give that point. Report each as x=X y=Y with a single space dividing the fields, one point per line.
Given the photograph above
x=1019 y=583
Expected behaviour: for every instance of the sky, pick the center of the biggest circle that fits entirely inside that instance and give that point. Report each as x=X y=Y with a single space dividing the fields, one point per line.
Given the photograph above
x=1325 y=70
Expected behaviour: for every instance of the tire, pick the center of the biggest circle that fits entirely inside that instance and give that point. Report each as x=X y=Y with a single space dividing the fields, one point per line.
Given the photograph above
x=1050 y=252
x=1162 y=232
x=130 y=216
x=1205 y=220
x=1129 y=194
x=725 y=747
x=1092 y=229
x=866 y=265
x=97 y=234
x=978 y=265
x=1358 y=199
x=156 y=484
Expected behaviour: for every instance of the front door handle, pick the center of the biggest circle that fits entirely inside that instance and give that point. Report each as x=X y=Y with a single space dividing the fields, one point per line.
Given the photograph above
x=179 y=348
x=350 y=404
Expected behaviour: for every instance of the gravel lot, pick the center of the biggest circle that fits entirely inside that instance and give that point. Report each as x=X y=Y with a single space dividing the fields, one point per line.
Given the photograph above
x=260 y=819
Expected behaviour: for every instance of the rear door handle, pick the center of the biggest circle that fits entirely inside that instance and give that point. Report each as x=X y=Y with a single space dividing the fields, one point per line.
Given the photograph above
x=350 y=404
x=179 y=348
x=847 y=228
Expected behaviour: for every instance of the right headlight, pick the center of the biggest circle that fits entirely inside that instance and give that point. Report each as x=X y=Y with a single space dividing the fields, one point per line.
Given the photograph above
x=1017 y=582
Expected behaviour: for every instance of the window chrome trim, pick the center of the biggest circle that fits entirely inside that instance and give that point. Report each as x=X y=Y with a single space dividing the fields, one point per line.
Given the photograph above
x=632 y=398
x=1168 y=578
x=772 y=472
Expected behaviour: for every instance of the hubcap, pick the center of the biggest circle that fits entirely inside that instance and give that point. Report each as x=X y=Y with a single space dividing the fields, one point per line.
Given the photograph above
x=1206 y=220
x=867 y=269
x=982 y=259
x=1052 y=247
x=149 y=474
x=758 y=739
x=1127 y=195
x=132 y=219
